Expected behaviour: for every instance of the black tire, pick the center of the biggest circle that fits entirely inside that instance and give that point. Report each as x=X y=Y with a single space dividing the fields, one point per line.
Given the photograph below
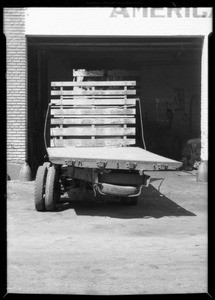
x=39 y=188
x=132 y=201
x=52 y=190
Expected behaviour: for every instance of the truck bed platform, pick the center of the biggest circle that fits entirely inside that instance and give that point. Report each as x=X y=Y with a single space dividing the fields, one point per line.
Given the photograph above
x=111 y=158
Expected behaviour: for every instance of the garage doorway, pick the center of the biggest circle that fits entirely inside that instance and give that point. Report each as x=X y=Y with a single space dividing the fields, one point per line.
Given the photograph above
x=167 y=72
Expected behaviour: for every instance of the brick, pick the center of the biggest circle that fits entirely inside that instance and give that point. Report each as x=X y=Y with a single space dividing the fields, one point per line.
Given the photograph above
x=14 y=29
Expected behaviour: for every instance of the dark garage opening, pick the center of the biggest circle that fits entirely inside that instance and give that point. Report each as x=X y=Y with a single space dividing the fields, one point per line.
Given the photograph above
x=167 y=71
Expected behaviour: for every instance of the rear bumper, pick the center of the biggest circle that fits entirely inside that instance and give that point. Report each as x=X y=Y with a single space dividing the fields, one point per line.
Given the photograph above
x=118 y=190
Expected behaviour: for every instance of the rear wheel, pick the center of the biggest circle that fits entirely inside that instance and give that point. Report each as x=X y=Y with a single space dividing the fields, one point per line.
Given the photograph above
x=52 y=190
x=39 y=188
x=129 y=200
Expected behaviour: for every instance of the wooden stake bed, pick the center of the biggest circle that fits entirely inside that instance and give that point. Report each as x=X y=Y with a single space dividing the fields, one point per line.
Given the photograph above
x=111 y=158
x=93 y=125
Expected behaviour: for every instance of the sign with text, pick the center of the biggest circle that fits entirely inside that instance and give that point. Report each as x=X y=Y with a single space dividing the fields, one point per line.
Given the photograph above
x=108 y=21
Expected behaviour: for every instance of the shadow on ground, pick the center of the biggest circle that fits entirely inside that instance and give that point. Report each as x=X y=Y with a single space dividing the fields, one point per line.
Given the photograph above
x=151 y=203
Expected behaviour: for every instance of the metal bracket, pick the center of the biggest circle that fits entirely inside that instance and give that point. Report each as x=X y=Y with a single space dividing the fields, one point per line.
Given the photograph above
x=160 y=167
x=131 y=166
x=101 y=164
x=70 y=162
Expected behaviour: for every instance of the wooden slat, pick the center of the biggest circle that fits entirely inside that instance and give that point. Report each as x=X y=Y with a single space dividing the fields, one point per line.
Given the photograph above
x=86 y=121
x=97 y=109
x=93 y=116
x=94 y=102
x=107 y=111
x=89 y=131
x=93 y=83
x=100 y=73
x=95 y=92
x=94 y=97
x=91 y=143
x=93 y=73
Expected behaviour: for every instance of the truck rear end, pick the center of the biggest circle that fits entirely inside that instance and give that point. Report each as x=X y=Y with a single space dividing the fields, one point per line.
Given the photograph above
x=93 y=143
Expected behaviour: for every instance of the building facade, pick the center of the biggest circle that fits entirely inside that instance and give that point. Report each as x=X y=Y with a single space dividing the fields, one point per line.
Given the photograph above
x=167 y=46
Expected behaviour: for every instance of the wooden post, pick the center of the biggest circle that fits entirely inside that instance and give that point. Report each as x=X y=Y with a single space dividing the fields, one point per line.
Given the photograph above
x=203 y=167
x=204 y=100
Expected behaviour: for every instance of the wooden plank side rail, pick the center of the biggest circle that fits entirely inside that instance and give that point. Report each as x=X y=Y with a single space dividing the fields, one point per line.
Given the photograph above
x=90 y=111
x=100 y=73
x=91 y=92
x=88 y=131
x=92 y=143
x=93 y=121
x=86 y=102
x=92 y=114
x=92 y=83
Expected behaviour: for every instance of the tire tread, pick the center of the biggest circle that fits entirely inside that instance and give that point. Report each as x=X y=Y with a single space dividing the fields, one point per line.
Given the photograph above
x=39 y=188
x=51 y=189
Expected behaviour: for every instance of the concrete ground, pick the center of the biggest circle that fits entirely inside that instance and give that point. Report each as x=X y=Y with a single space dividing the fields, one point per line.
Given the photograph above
x=100 y=247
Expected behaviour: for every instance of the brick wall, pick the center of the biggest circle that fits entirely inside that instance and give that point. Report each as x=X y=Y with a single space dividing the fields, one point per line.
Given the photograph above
x=16 y=64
